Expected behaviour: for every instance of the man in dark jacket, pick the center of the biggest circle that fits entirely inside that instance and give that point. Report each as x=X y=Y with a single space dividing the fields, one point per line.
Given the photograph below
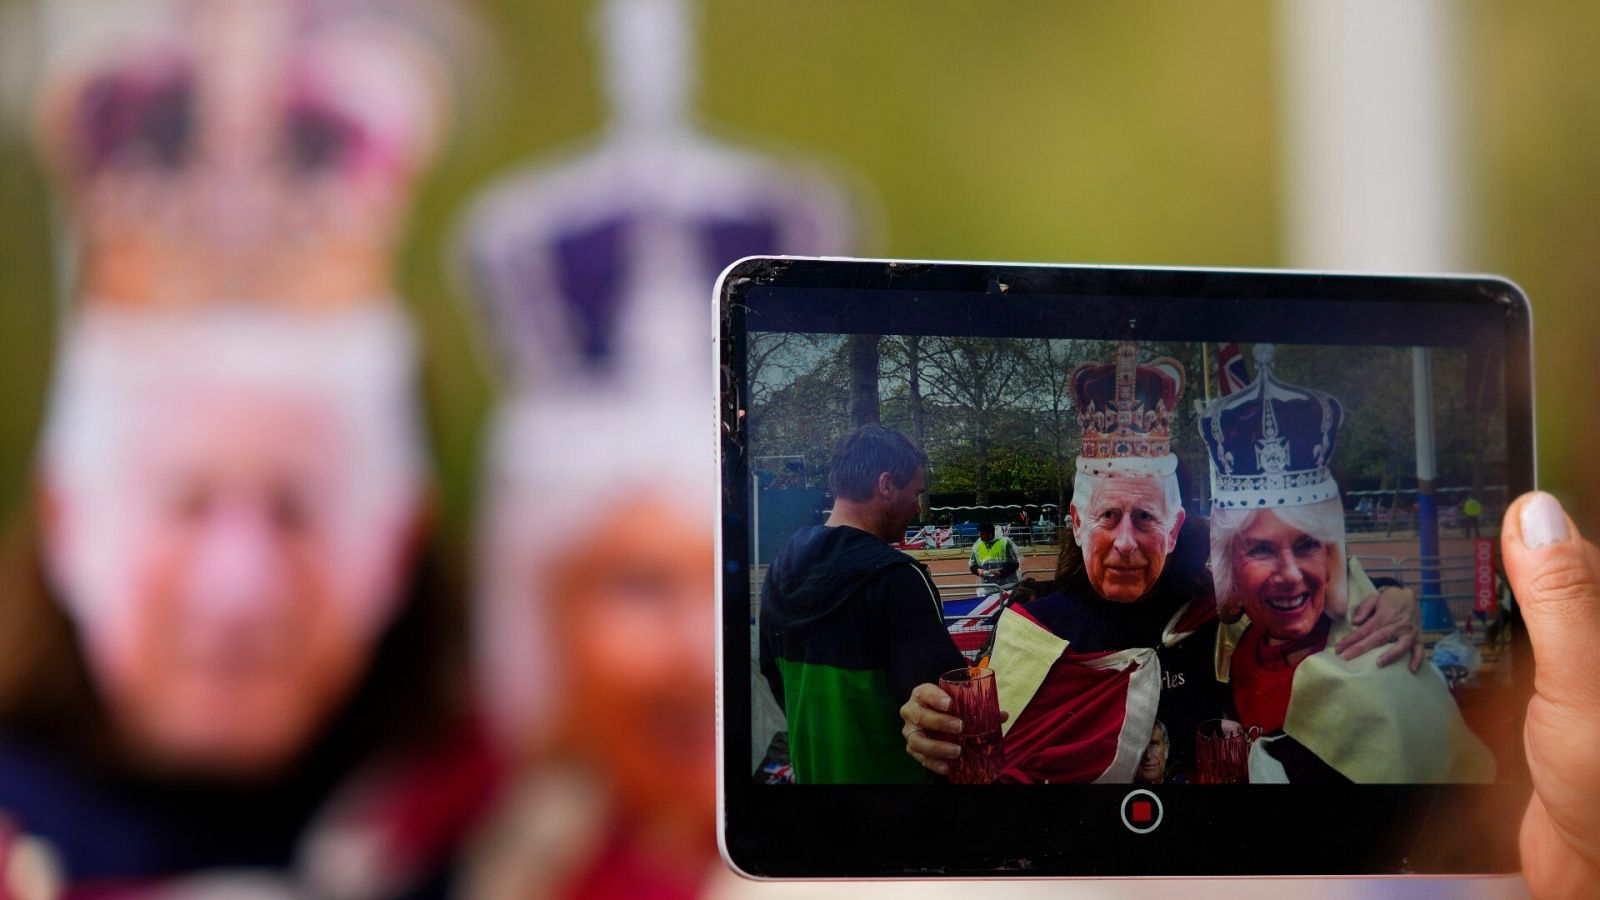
x=849 y=625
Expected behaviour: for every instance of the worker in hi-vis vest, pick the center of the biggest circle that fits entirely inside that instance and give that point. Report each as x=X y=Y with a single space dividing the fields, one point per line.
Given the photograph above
x=1471 y=510
x=994 y=559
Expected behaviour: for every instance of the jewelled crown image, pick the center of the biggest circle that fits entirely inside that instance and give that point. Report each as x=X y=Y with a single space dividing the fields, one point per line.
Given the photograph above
x=1270 y=443
x=1125 y=408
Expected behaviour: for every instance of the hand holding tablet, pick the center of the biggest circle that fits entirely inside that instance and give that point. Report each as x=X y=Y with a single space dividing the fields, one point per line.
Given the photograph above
x=1556 y=576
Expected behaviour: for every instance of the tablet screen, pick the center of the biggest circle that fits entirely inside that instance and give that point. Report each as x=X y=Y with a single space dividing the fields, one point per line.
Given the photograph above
x=1199 y=548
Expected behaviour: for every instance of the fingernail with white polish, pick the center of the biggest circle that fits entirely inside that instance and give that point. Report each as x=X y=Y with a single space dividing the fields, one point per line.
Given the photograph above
x=1543 y=522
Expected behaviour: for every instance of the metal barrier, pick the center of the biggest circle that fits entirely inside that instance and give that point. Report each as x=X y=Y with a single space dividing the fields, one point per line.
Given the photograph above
x=1032 y=536
x=968 y=588
x=1402 y=521
x=1409 y=569
x=1456 y=579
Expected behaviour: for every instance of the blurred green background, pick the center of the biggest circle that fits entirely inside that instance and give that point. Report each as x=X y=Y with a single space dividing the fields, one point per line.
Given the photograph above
x=1115 y=132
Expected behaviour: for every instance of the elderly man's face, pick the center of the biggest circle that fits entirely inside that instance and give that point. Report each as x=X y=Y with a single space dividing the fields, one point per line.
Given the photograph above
x=1154 y=762
x=1125 y=536
x=227 y=602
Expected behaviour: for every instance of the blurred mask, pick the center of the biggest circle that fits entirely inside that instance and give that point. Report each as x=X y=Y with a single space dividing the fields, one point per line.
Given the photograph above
x=640 y=641
x=232 y=150
x=231 y=471
x=595 y=626
x=230 y=501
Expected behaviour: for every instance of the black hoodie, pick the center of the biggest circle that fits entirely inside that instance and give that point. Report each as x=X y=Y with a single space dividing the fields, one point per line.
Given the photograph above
x=849 y=626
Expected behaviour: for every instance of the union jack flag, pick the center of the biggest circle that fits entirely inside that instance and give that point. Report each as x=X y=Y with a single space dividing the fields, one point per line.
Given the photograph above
x=971 y=620
x=1231 y=374
x=1076 y=718
x=925 y=538
x=777 y=773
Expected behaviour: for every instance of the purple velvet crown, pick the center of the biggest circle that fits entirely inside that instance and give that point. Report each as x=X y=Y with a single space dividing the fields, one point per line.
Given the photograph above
x=1270 y=442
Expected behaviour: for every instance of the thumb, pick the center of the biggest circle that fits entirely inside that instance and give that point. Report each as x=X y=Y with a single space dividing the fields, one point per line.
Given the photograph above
x=1553 y=573
x=1555 y=577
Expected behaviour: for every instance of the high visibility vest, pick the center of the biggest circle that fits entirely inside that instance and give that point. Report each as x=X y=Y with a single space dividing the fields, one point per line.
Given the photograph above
x=992 y=552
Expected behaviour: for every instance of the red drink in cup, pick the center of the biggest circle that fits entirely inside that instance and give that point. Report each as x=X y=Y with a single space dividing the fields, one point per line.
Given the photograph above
x=1222 y=752
x=975 y=701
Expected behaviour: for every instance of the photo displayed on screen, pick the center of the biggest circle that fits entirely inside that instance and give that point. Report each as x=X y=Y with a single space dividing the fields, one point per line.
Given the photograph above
x=1126 y=562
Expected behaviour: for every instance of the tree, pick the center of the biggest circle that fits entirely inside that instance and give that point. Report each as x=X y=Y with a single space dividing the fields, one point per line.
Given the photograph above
x=864 y=406
x=976 y=376
x=901 y=358
x=1047 y=378
x=775 y=359
x=799 y=401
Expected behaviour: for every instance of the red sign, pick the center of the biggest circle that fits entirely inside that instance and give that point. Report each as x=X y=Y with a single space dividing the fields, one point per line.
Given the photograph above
x=1483 y=576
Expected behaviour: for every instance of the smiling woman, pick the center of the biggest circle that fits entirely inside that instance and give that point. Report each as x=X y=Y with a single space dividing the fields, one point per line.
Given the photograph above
x=1268 y=550
x=1278 y=552
x=1285 y=568
x=1285 y=577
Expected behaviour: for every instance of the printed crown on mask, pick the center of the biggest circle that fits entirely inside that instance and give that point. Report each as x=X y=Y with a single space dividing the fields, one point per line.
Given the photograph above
x=597 y=275
x=1270 y=443
x=596 y=271
x=1125 y=411
x=223 y=153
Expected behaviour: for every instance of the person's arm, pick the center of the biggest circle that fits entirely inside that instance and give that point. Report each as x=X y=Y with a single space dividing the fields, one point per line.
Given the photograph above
x=972 y=559
x=1555 y=574
x=920 y=647
x=1387 y=613
x=918 y=657
x=769 y=667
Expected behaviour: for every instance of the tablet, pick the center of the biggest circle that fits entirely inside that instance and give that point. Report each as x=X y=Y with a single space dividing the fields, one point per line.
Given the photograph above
x=1156 y=535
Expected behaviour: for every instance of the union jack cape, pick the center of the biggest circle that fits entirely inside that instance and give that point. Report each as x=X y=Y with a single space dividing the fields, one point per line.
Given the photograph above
x=1075 y=718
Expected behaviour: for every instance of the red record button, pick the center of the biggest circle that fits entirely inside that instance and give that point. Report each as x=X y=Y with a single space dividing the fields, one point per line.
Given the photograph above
x=1141 y=811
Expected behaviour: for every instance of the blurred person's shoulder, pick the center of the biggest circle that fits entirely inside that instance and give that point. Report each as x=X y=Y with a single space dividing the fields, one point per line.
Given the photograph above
x=403 y=821
x=546 y=825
